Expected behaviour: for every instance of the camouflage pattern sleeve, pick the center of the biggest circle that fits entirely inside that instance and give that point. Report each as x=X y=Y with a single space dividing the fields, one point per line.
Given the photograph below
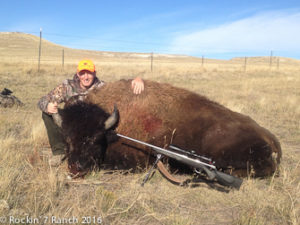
x=58 y=95
x=65 y=91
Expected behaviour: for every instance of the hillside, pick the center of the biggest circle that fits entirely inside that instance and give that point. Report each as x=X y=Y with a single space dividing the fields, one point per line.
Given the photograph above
x=266 y=59
x=23 y=48
x=15 y=45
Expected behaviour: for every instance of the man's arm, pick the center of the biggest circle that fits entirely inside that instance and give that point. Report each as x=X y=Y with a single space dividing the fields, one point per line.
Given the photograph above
x=49 y=102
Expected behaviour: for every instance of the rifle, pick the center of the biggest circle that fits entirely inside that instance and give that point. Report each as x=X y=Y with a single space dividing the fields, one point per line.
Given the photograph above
x=190 y=159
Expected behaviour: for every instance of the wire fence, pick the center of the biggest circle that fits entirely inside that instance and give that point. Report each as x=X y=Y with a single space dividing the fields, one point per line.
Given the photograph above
x=44 y=53
x=64 y=56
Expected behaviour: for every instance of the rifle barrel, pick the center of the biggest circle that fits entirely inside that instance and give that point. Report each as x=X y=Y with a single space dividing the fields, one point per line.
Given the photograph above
x=182 y=158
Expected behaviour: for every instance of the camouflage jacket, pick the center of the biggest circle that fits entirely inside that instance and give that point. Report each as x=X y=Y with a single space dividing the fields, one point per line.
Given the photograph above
x=65 y=91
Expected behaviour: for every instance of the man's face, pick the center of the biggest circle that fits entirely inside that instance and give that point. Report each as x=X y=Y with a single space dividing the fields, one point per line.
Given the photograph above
x=86 y=78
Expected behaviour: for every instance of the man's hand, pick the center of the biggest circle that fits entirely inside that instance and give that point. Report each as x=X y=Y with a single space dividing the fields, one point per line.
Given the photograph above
x=137 y=85
x=52 y=107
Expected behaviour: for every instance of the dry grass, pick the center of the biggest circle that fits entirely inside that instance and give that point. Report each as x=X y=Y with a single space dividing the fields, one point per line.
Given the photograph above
x=29 y=186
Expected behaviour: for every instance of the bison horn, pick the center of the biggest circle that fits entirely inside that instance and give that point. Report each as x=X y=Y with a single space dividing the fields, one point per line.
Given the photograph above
x=113 y=119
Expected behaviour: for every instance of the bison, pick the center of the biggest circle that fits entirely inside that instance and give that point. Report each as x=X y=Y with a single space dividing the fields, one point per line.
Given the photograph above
x=163 y=115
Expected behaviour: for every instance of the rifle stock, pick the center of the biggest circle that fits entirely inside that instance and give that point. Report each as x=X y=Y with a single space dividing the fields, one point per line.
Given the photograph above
x=228 y=180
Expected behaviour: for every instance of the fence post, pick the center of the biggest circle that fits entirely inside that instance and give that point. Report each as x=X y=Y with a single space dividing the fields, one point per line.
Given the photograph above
x=63 y=59
x=151 y=61
x=40 y=49
x=271 y=56
x=245 y=64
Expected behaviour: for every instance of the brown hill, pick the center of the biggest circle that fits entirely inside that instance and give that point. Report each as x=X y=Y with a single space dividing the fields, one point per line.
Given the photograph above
x=17 y=46
x=22 y=47
x=266 y=60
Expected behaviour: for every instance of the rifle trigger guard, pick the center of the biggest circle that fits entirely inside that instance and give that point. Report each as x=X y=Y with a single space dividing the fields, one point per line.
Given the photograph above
x=198 y=171
x=211 y=175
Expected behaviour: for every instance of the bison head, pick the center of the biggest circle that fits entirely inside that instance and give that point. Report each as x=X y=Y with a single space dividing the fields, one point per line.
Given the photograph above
x=88 y=130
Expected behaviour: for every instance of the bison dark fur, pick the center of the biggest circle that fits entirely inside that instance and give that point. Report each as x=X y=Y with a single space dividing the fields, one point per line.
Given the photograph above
x=87 y=140
x=164 y=114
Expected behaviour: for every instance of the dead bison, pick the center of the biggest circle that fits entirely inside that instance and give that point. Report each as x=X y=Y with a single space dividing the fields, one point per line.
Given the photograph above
x=162 y=115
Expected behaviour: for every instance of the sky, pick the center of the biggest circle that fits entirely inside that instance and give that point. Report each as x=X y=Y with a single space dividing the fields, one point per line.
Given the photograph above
x=213 y=29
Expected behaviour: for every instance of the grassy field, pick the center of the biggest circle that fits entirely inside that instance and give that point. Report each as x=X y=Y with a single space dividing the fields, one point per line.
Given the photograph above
x=31 y=189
